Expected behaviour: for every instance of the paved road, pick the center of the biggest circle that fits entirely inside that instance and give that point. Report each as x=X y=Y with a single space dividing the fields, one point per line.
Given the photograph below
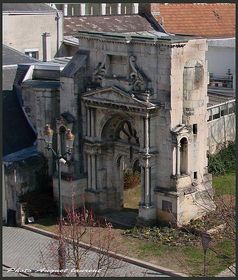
x=21 y=249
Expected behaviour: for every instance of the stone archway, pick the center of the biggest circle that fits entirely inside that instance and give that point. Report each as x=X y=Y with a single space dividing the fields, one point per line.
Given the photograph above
x=122 y=145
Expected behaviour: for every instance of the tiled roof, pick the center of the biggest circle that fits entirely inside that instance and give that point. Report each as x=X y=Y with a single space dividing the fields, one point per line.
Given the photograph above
x=213 y=20
x=27 y=8
x=11 y=56
x=119 y=23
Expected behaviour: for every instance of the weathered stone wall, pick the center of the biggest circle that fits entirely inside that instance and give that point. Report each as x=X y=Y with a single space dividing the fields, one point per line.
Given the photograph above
x=42 y=107
x=21 y=177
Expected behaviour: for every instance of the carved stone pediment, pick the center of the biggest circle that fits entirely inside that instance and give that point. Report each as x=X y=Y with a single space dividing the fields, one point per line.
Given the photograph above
x=181 y=131
x=114 y=97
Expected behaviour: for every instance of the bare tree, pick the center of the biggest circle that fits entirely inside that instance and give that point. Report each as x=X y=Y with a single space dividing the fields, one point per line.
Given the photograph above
x=86 y=244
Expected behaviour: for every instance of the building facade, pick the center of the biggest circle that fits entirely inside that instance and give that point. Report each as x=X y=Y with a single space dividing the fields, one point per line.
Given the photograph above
x=41 y=32
x=97 y=9
x=138 y=102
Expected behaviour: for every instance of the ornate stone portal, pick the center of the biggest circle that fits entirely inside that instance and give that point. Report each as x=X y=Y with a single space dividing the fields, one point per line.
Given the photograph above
x=141 y=99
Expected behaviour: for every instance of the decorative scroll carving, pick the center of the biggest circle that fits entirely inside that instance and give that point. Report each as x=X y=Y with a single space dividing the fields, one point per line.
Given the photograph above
x=101 y=70
x=137 y=79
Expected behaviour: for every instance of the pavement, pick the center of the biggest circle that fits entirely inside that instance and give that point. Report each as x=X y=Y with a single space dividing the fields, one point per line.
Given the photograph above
x=23 y=250
x=229 y=272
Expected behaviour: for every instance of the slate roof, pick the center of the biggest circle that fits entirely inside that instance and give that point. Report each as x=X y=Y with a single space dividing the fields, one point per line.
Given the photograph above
x=208 y=20
x=10 y=59
x=17 y=132
x=118 y=23
x=27 y=8
x=8 y=76
x=11 y=56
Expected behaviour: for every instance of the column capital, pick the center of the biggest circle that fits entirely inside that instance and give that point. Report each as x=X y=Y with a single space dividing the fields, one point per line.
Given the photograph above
x=92 y=149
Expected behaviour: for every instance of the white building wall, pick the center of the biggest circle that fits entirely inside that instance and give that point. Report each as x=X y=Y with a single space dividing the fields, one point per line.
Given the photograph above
x=23 y=32
x=221 y=56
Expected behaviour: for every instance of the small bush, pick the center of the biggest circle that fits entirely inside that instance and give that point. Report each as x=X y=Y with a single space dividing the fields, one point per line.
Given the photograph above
x=131 y=179
x=222 y=161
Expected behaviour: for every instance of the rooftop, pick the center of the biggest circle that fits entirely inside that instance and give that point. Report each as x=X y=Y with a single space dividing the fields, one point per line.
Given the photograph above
x=151 y=36
x=27 y=8
x=117 y=23
x=11 y=56
x=209 y=20
x=17 y=132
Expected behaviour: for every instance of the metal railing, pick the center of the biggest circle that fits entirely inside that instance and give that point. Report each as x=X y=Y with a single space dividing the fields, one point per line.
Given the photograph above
x=222 y=109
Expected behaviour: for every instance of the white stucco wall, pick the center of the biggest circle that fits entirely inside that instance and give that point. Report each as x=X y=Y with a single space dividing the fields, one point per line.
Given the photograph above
x=24 y=31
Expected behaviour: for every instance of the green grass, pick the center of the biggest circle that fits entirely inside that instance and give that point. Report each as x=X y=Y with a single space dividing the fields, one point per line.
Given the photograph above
x=191 y=257
x=150 y=248
x=218 y=260
x=225 y=184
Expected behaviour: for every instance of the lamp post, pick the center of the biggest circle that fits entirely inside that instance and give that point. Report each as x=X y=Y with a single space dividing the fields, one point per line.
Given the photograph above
x=206 y=239
x=60 y=158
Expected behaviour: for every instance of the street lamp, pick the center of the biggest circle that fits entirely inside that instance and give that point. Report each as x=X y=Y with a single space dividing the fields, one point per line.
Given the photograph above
x=60 y=158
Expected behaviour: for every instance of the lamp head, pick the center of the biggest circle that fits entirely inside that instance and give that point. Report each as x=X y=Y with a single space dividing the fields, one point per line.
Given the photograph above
x=69 y=138
x=48 y=134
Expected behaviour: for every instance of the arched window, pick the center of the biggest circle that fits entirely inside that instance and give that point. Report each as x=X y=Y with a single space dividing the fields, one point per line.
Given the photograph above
x=136 y=166
x=183 y=156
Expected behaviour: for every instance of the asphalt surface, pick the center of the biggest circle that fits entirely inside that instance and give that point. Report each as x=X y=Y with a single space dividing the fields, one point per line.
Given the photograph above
x=28 y=252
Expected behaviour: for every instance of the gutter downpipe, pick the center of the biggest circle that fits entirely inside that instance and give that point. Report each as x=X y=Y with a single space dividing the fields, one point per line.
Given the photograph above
x=57 y=22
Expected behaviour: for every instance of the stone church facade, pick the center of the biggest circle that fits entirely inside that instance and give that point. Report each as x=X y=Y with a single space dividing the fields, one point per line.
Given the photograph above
x=138 y=101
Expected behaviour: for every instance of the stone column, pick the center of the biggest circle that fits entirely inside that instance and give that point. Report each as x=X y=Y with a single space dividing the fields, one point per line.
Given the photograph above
x=92 y=111
x=174 y=161
x=65 y=10
x=89 y=172
x=103 y=9
x=147 y=213
x=135 y=8
x=146 y=159
x=178 y=159
x=93 y=171
x=82 y=8
x=88 y=121
x=119 y=8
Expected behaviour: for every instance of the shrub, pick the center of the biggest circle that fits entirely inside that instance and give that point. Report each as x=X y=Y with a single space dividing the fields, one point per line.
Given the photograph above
x=222 y=161
x=131 y=179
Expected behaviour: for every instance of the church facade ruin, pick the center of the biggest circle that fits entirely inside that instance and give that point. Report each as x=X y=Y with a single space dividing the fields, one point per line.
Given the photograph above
x=134 y=101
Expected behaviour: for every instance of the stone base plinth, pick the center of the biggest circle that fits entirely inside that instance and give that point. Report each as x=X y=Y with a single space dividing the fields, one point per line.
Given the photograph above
x=147 y=215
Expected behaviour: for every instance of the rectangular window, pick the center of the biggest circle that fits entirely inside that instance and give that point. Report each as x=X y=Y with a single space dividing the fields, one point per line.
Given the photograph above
x=167 y=206
x=195 y=175
x=195 y=129
x=32 y=53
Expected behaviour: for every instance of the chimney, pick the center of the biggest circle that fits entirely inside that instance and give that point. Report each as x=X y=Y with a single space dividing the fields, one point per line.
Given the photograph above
x=46 y=46
x=144 y=8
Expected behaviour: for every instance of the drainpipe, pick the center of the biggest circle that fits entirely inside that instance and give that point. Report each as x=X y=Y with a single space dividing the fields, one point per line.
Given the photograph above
x=57 y=18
